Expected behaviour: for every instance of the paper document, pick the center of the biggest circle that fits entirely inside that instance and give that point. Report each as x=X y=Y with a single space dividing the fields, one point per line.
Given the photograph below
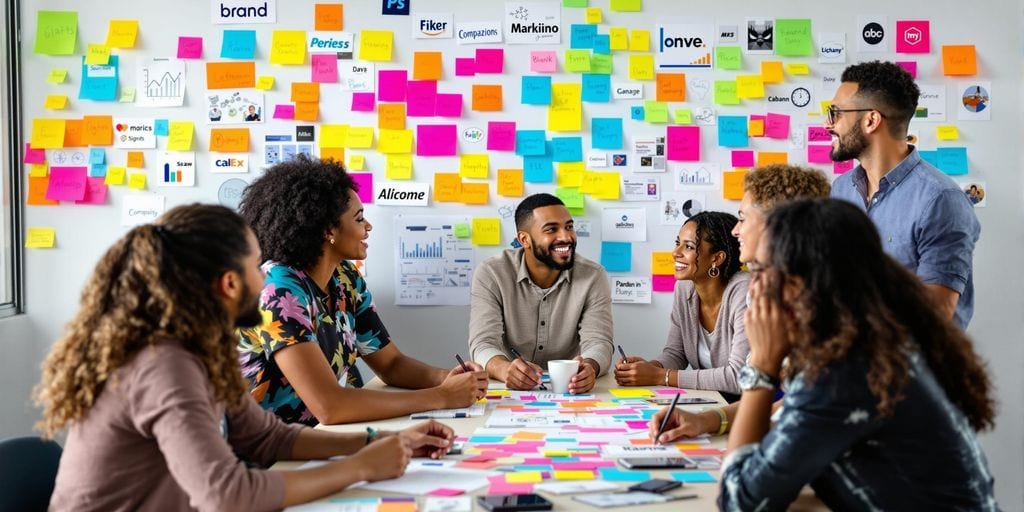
x=475 y=410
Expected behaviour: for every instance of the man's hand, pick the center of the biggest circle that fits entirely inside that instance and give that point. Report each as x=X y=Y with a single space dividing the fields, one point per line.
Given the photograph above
x=428 y=439
x=585 y=377
x=478 y=372
x=521 y=374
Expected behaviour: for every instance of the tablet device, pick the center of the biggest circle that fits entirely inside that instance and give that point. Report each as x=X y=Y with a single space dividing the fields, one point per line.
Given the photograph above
x=658 y=463
x=656 y=485
x=514 y=502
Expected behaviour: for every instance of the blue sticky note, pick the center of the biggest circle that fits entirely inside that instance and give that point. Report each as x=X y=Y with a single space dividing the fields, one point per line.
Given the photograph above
x=625 y=416
x=622 y=475
x=486 y=439
x=636 y=113
x=99 y=82
x=648 y=413
x=567 y=149
x=693 y=477
x=532 y=467
x=602 y=44
x=566 y=459
x=606 y=132
x=538 y=169
x=540 y=404
x=597 y=88
x=97 y=156
x=160 y=127
x=536 y=90
x=531 y=143
x=561 y=440
x=931 y=157
x=238 y=44
x=581 y=36
x=953 y=161
x=732 y=131
x=97 y=170
x=617 y=256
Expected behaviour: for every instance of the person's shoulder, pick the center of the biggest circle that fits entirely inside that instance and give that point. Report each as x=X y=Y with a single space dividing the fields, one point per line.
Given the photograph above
x=738 y=284
x=504 y=260
x=164 y=361
x=935 y=181
x=283 y=276
x=587 y=265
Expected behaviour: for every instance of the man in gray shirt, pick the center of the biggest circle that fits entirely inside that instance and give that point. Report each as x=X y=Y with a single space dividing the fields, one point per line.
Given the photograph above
x=541 y=303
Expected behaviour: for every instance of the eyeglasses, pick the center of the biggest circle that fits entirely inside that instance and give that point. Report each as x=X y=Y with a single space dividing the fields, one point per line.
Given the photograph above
x=832 y=112
x=756 y=268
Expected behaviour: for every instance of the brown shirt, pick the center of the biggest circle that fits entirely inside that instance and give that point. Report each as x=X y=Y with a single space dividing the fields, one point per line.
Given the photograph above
x=155 y=440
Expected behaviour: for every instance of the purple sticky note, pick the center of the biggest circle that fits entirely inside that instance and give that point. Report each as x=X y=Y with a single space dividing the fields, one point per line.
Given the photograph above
x=364 y=182
x=909 y=65
x=543 y=61
x=818 y=134
x=490 y=60
x=436 y=140
x=95 y=191
x=501 y=135
x=67 y=183
x=391 y=84
x=683 y=143
x=190 y=47
x=742 y=158
x=34 y=156
x=670 y=391
x=363 y=101
x=421 y=98
x=324 y=68
x=842 y=167
x=284 y=112
x=776 y=126
x=663 y=283
x=448 y=105
x=819 y=153
x=465 y=67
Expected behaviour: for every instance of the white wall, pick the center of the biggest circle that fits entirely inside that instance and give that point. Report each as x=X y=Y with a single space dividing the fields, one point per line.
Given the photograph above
x=54 y=278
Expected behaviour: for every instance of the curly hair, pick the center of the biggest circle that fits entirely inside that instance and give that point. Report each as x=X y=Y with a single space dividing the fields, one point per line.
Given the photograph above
x=865 y=304
x=153 y=284
x=889 y=88
x=774 y=183
x=293 y=205
x=715 y=228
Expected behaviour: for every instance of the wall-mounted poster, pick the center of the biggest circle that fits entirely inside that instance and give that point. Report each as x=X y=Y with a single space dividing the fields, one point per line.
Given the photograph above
x=228 y=106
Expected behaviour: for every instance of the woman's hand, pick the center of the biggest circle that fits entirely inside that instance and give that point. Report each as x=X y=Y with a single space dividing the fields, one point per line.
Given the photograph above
x=682 y=424
x=638 y=372
x=383 y=459
x=428 y=439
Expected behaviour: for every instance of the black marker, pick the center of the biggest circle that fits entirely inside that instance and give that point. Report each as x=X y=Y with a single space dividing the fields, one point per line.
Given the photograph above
x=462 y=363
x=622 y=353
x=664 y=420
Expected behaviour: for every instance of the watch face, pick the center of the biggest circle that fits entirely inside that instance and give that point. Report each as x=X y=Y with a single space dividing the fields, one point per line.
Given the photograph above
x=800 y=97
x=747 y=377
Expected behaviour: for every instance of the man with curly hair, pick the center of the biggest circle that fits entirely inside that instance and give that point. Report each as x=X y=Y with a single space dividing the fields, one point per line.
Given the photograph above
x=925 y=220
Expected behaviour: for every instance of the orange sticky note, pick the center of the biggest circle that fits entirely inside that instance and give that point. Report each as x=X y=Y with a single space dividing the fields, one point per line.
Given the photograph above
x=474 y=193
x=230 y=75
x=305 y=91
x=671 y=86
x=37 y=192
x=426 y=66
x=771 y=157
x=98 y=130
x=391 y=116
x=959 y=60
x=307 y=110
x=229 y=140
x=336 y=154
x=732 y=185
x=755 y=128
x=486 y=98
x=74 y=133
x=328 y=16
x=510 y=182
x=447 y=187
x=771 y=71
x=135 y=159
x=663 y=263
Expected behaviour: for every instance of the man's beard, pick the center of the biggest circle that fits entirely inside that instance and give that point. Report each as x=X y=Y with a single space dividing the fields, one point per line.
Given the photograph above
x=547 y=258
x=249 y=315
x=850 y=146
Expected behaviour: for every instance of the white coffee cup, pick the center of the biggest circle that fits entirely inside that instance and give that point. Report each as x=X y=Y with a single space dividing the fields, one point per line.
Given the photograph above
x=561 y=371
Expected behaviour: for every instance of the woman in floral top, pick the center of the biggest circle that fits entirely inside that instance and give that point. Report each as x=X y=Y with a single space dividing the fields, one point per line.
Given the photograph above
x=318 y=315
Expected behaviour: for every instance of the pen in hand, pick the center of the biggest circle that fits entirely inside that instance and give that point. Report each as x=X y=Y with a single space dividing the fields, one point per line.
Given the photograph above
x=462 y=363
x=664 y=420
x=622 y=353
x=517 y=355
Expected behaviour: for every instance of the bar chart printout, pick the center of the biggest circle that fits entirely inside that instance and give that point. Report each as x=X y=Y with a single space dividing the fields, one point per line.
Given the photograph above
x=434 y=266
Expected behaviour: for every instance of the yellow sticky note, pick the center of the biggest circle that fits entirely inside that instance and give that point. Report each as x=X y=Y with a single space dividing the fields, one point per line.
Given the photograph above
x=122 y=33
x=56 y=102
x=607 y=186
x=398 y=167
x=395 y=142
x=755 y=128
x=749 y=86
x=641 y=67
x=639 y=40
x=474 y=166
x=570 y=174
x=375 y=45
x=556 y=453
x=618 y=38
x=947 y=132
x=359 y=137
x=663 y=263
x=47 y=133
x=42 y=238
x=57 y=76
x=593 y=15
x=565 y=114
x=97 y=54
x=486 y=231
x=574 y=474
x=794 y=68
x=288 y=47
x=38 y=170
x=356 y=162
x=626 y=5
x=630 y=392
x=683 y=116
x=333 y=135
x=137 y=180
x=771 y=71
x=179 y=136
x=510 y=182
x=265 y=83
x=115 y=175
x=524 y=477
x=525 y=434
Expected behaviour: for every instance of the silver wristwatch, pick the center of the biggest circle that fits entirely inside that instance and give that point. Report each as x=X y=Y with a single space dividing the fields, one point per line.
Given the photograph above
x=753 y=378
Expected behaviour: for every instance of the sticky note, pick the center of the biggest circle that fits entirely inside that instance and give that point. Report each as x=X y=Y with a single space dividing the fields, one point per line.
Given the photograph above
x=229 y=140
x=56 y=32
x=324 y=68
x=74 y=136
x=57 y=76
x=581 y=36
x=618 y=38
x=573 y=200
x=97 y=54
x=288 y=47
x=776 y=126
x=670 y=86
x=732 y=131
x=606 y=133
x=601 y=64
x=67 y=183
x=728 y=57
x=190 y=47
x=356 y=163
x=641 y=67
x=510 y=182
x=793 y=37
x=55 y=102
x=772 y=157
x=573 y=474
x=597 y=88
x=755 y=126
x=683 y=143
x=570 y=174
x=655 y=111
x=623 y=475
x=771 y=72
x=617 y=257
x=520 y=477
x=947 y=132
x=577 y=61
x=392 y=84
x=47 y=133
x=535 y=90
x=530 y=142
x=448 y=105
x=725 y=92
x=951 y=160
x=566 y=110
x=179 y=136
x=390 y=115
x=489 y=61
x=363 y=101
x=683 y=116
x=732 y=184
x=742 y=158
x=122 y=33
x=959 y=60
x=567 y=149
x=461 y=230
x=436 y=140
x=37 y=187
x=33 y=155
x=426 y=66
x=99 y=82
x=486 y=98
x=137 y=181
x=663 y=263
x=305 y=91
x=398 y=167
x=265 y=83
x=602 y=45
x=39 y=170
x=230 y=75
x=97 y=130
x=115 y=175
x=465 y=66
x=639 y=40
x=909 y=65
x=306 y=110
x=475 y=193
x=135 y=159
x=359 y=137
x=627 y=5
x=797 y=69
x=375 y=45
x=238 y=44
x=501 y=135
x=328 y=16
x=543 y=61
x=749 y=86
x=818 y=154
x=474 y=166
x=538 y=169
x=127 y=95
x=486 y=231
x=593 y=15
x=41 y=238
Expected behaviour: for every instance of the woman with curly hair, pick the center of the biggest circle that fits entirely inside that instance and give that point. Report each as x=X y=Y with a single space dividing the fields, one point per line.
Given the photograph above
x=706 y=341
x=146 y=376
x=884 y=393
x=319 y=316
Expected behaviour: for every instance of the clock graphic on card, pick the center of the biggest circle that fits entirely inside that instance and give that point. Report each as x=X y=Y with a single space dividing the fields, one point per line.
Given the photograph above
x=800 y=97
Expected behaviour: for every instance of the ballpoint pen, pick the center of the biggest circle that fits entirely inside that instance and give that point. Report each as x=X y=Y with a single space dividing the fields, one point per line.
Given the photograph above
x=462 y=363
x=622 y=353
x=664 y=420
x=517 y=355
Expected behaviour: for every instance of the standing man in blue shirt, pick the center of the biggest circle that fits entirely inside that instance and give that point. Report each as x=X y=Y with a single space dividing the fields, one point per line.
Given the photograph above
x=925 y=220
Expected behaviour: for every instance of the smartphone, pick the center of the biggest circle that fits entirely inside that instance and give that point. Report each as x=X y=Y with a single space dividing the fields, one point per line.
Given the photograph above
x=514 y=502
x=658 y=463
x=657 y=485
x=456 y=448
x=666 y=400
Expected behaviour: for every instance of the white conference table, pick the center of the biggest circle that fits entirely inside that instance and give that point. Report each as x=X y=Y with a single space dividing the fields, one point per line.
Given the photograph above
x=464 y=427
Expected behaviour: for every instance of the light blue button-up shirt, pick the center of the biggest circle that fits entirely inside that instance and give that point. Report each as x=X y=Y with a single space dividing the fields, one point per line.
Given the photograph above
x=926 y=223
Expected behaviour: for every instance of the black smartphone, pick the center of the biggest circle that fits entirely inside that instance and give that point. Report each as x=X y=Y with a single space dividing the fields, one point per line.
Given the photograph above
x=656 y=486
x=658 y=463
x=514 y=502
x=666 y=400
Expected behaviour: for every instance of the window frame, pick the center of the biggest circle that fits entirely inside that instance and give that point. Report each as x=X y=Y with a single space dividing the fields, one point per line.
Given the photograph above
x=12 y=237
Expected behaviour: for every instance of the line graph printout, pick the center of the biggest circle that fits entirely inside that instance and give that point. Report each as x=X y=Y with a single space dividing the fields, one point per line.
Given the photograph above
x=160 y=83
x=434 y=266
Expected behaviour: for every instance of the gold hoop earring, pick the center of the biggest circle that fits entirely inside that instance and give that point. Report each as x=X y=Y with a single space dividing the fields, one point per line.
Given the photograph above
x=713 y=271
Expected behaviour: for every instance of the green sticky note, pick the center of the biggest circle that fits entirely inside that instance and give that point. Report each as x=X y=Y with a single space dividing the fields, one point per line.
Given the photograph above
x=627 y=5
x=655 y=111
x=684 y=116
x=574 y=3
x=577 y=61
x=793 y=37
x=57 y=76
x=728 y=57
x=601 y=64
x=56 y=32
x=572 y=197
x=461 y=230
x=725 y=92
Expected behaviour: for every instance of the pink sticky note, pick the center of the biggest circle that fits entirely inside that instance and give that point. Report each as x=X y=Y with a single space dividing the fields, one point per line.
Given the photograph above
x=391 y=84
x=507 y=488
x=475 y=465
x=490 y=60
x=818 y=134
x=819 y=153
x=362 y=101
x=284 y=112
x=913 y=36
x=436 y=140
x=637 y=424
x=742 y=158
x=364 y=182
x=543 y=61
x=95 y=191
x=776 y=126
x=465 y=67
x=670 y=391
x=909 y=65
x=501 y=135
x=34 y=156
x=324 y=68
x=703 y=451
x=842 y=167
x=683 y=143
x=190 y=47
x=442 y=491
x=448 y=105
x=67 y=183
x=663 y=283
x=421 y=98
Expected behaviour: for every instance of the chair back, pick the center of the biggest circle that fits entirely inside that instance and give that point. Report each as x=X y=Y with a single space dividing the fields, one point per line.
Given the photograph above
x=28 y=469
